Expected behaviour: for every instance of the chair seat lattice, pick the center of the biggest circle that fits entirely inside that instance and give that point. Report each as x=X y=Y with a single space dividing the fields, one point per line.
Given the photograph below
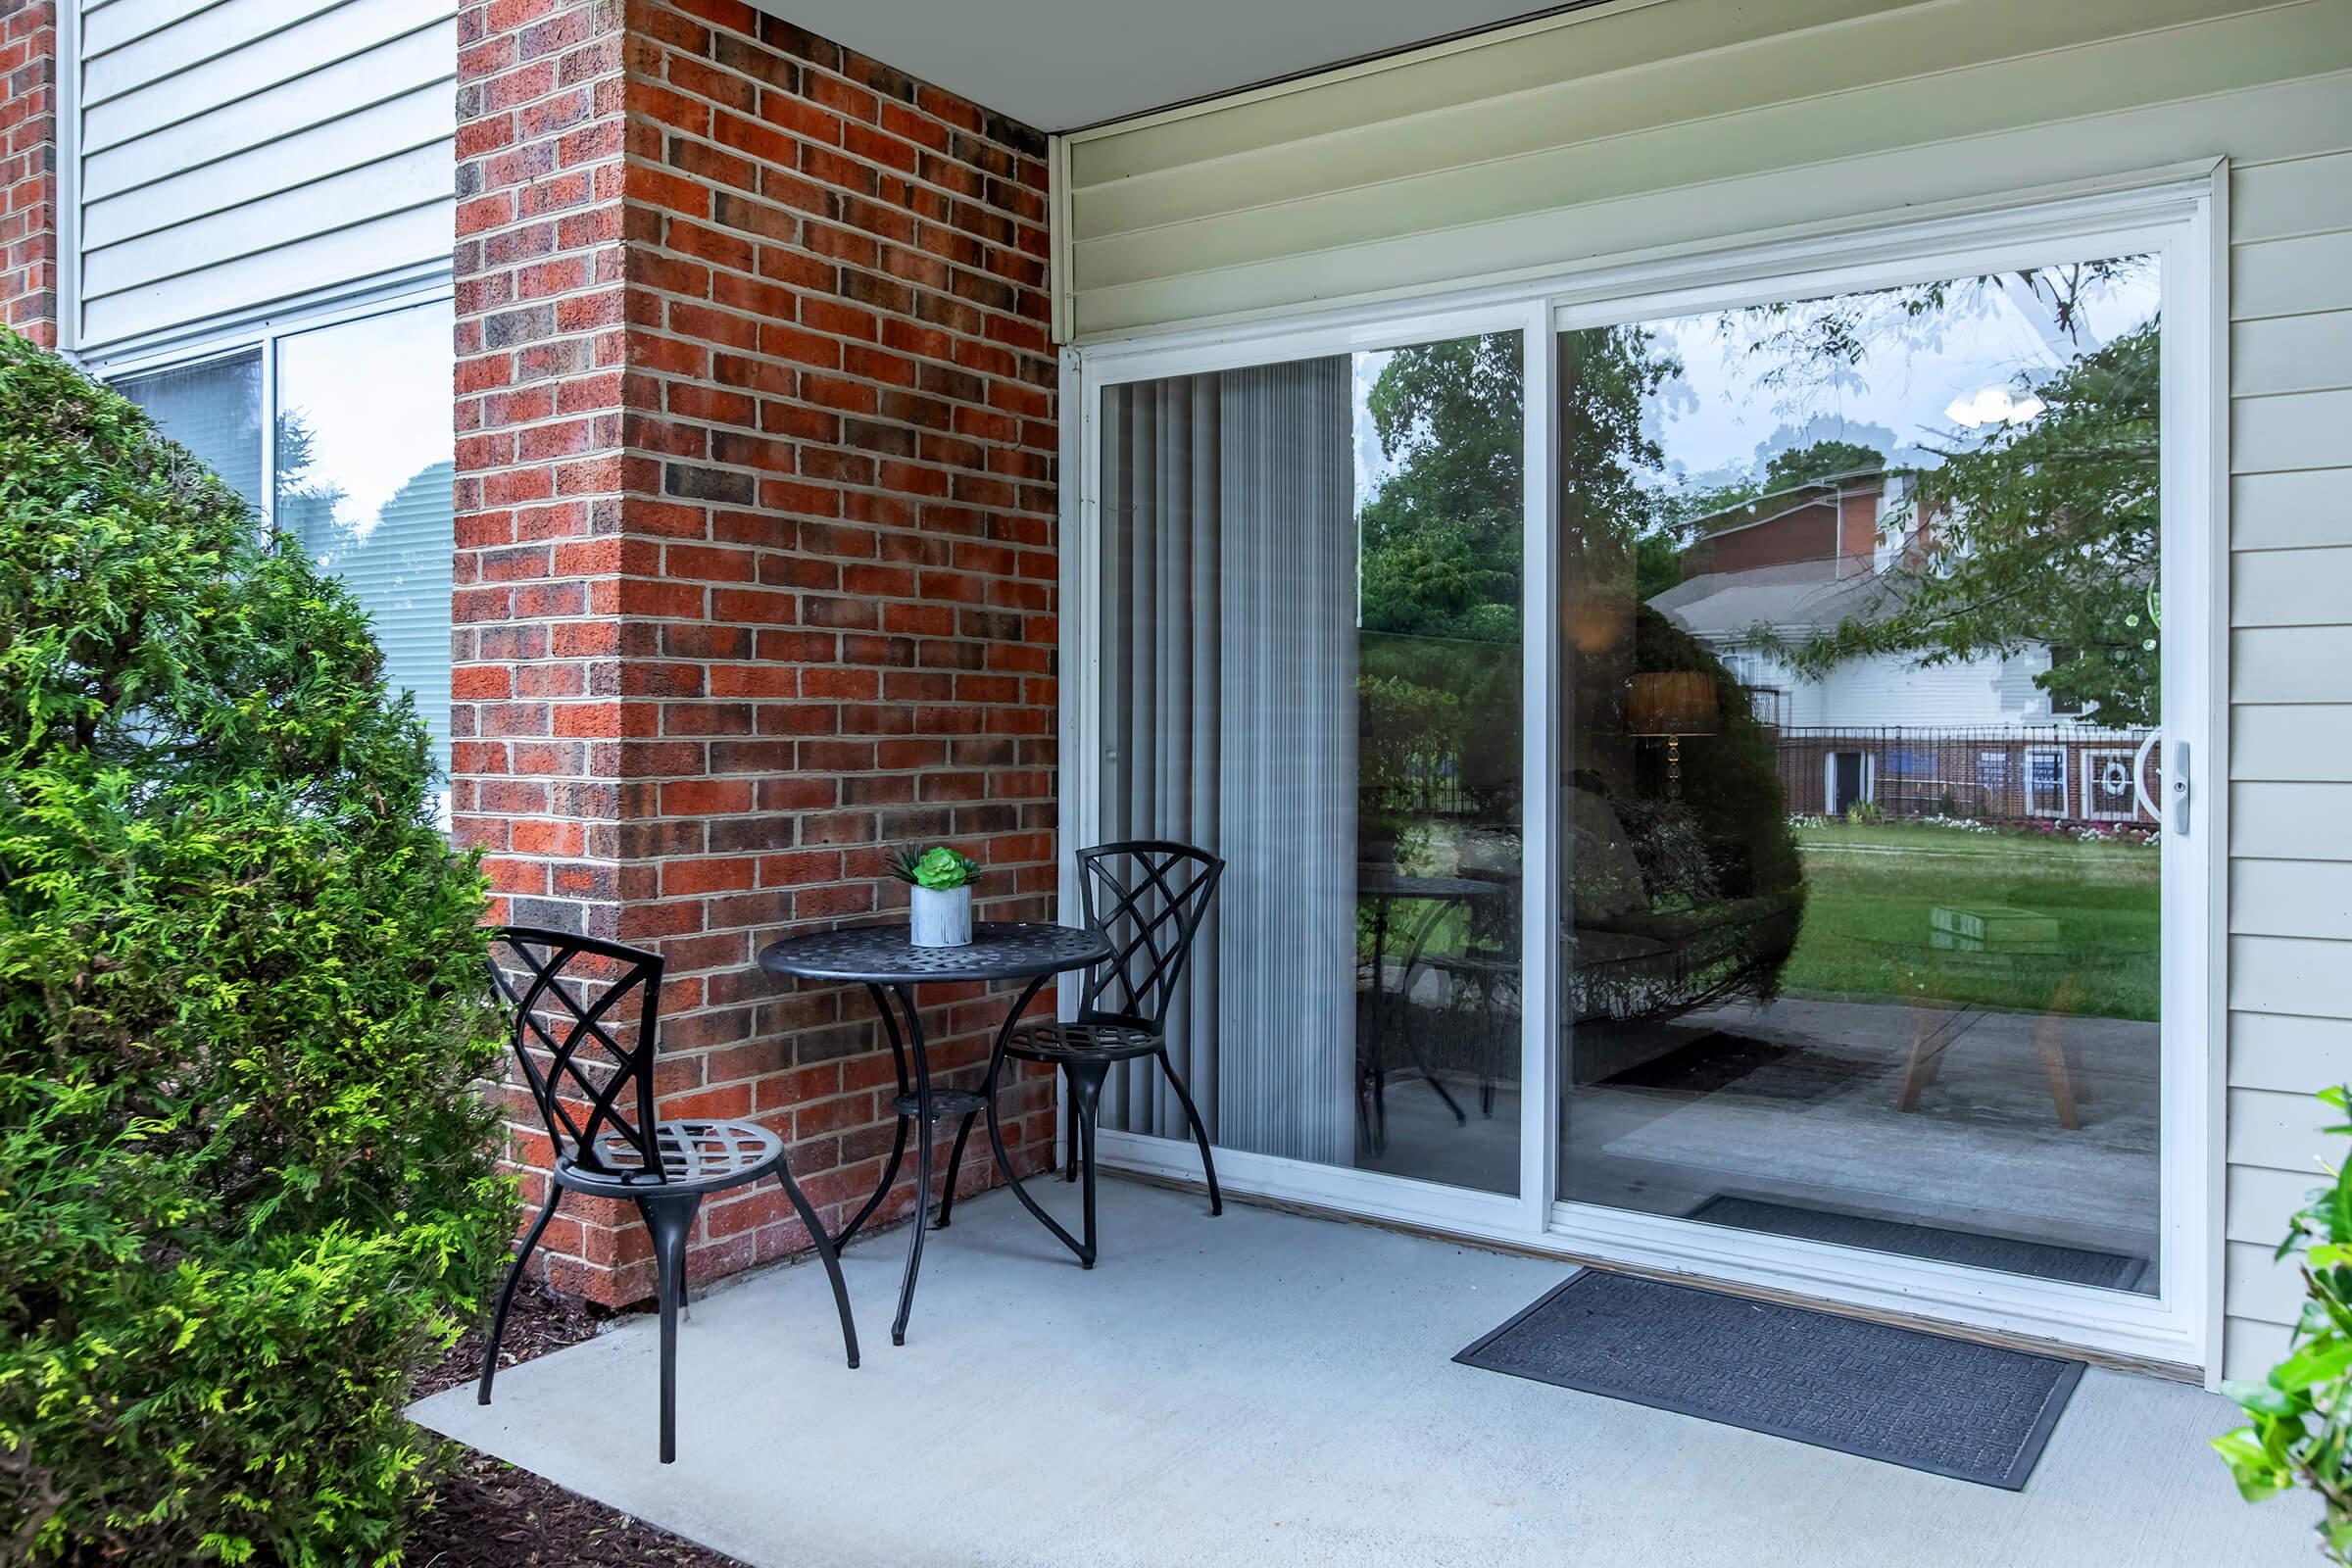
x=694 y=1154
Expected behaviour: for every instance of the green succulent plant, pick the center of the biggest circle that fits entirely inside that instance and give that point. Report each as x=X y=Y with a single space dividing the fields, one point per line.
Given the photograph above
x=938 y=868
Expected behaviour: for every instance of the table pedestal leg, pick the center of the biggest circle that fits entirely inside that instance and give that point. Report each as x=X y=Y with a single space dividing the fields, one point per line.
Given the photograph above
x=996 y=1132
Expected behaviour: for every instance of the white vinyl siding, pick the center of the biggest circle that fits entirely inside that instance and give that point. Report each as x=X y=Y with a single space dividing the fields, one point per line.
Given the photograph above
x=236 y=154
x=1628 y=129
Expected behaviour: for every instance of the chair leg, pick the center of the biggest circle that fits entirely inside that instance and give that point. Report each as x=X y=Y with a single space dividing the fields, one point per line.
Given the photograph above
x=825 y=1254
x=1086 y=1098
x=1208 y=1165
x=506 y=1292
x=670 y=1219
x=946 y=1196
x=1069 y=1162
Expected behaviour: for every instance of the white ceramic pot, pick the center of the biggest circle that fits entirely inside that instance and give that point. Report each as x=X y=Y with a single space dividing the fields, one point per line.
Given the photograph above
x=940 y=918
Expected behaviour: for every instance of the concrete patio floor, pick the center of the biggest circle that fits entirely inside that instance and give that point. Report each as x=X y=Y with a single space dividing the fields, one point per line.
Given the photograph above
x=1265 y=1388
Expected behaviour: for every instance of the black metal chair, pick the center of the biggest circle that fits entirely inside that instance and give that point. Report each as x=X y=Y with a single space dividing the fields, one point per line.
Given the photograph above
x=1149 y=896
x=622 y=1150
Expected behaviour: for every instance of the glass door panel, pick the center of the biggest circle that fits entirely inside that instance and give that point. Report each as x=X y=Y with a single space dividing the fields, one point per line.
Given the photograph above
x=1310 y=579
x=1859 y=711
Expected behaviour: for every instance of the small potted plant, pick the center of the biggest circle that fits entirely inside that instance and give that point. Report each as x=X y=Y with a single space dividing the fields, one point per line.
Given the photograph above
x=940 y=888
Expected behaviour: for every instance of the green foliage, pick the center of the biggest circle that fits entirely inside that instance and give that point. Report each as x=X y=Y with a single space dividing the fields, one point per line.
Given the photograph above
x=938 y=868
x=1823 y=459
x=1441 y=534
x=245 y=1181
x=2301 y=1414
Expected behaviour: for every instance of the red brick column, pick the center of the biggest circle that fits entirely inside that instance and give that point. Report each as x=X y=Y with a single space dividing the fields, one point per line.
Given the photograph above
x=28 y=195
x=756 y=542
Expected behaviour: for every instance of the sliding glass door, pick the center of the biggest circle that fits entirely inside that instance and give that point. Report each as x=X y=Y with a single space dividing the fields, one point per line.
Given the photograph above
x=1862 y=705
x=1310 y=652
x=1704 y=767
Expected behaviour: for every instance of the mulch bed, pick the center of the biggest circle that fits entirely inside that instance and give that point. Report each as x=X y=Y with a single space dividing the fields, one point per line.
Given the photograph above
x=489 y=1514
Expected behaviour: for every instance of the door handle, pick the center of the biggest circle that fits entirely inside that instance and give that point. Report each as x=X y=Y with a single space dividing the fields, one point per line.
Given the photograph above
x=2180 y=788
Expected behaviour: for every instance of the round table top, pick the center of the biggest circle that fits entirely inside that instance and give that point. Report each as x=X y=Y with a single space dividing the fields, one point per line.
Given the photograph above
x=881 y=955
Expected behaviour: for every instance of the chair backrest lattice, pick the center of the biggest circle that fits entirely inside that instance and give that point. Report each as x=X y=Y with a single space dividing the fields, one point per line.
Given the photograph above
x=579 y=1031
x=1149 y=898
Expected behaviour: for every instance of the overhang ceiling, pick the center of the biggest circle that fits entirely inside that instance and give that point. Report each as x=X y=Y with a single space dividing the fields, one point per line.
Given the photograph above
x=1057 y=65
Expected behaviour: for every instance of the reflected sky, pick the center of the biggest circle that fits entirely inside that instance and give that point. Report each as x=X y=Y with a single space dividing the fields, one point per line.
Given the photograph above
x=377 y=411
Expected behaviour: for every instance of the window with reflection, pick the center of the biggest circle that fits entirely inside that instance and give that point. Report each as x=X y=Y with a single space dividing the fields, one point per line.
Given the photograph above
x=1310 y=580
x=1871 y=959
x=361 y=463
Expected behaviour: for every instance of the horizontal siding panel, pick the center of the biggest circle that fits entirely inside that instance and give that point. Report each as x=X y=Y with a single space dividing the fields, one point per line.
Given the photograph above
x=424 y=118
x=274 y=223
x=329 y=96
x=206 y=33
x=2262 y=1201
x=2118 y=74
x=2308 y=978
x=2280 y=1132
x=2302 y=196
x=2291 y=588
x=2292 y=276
x=2258 y=1288
x=293 y=56
x=2265 y=122
x=2291 y=899
x=2291 y=822
x=2291 y=354
x=1583 y=105
x=2307 y=744
x=1577 y=47
x=2295 y=510
x=386 y=244
x=2291 y=1056
x=111 y=24
x=2290 y=663
x=2294 y=430
x=2250 y=1348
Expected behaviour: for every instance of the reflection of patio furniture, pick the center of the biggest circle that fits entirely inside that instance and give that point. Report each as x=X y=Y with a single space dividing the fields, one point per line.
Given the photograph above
x=621 y=1149
x=1977 y=940
x=1627 y=960
x=1382 y=887
x=1486 y=970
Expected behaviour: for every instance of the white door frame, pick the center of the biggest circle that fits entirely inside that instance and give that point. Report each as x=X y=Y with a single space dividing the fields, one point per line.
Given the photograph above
x=2167 y=212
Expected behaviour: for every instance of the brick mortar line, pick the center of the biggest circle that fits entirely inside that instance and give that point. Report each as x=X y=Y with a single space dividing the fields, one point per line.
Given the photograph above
x=669 y=378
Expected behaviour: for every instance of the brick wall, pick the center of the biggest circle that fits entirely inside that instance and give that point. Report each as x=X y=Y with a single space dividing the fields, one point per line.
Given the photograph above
x=28 y=167
x=755 y=545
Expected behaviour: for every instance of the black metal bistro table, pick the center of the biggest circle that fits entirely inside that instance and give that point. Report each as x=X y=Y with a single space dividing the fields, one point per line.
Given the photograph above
x=880 y=957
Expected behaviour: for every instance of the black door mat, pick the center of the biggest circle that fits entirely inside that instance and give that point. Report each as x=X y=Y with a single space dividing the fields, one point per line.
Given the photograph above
x=2044 y=1260
x=1950 y=1408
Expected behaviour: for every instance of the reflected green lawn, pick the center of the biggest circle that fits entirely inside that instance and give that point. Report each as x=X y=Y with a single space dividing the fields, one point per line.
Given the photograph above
x=2083 y=916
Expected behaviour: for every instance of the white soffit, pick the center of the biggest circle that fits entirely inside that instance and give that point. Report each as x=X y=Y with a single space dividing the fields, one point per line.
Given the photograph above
x=1057 y=65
